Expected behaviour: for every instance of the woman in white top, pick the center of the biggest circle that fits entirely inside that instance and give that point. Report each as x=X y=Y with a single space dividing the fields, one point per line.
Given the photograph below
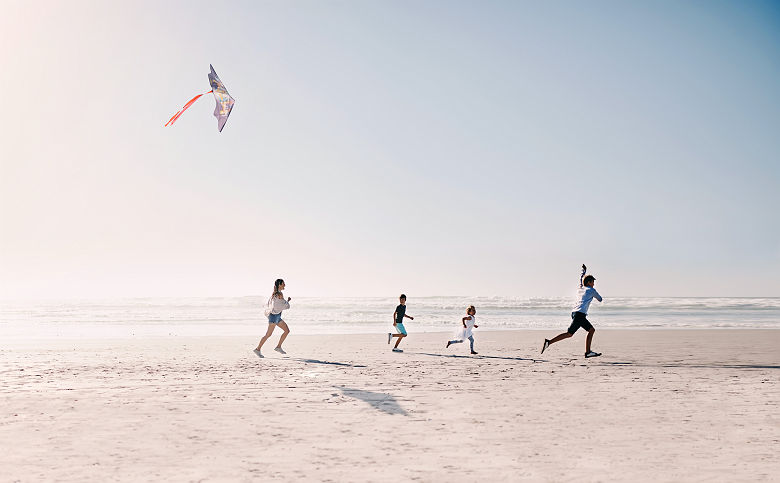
x=469 y=323
x=273 y=310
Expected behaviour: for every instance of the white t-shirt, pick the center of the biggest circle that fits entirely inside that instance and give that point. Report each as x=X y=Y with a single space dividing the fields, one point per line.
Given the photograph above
x=586 y=294
x=276 y=305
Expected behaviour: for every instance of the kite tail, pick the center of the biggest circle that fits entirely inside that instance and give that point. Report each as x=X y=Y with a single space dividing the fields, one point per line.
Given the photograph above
x=186 y=106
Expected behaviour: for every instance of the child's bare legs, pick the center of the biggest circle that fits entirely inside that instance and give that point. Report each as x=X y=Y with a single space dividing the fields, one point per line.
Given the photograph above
x=588 y=339
x=560 y=337
x=401 y=333
x=268 y=333
x=400 y=338
x=283 y=325
x=566 y=335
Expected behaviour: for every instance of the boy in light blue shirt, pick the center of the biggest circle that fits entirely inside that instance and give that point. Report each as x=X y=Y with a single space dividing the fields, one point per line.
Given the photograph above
x=579 y=316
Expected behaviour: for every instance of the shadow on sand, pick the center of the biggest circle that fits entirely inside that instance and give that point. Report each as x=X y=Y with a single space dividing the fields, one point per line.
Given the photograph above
x=479 y=356
x=602 y=362
x=327 y=363
x=681 y=365
x=378 y=400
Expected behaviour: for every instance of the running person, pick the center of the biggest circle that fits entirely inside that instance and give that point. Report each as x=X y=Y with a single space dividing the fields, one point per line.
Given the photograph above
x=273 y=310
x=469 y=323
x=398 y=323
x=579 y=317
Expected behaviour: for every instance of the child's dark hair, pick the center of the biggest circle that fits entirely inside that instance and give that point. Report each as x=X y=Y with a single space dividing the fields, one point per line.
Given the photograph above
x=588 y=279
x=470 y=308
x=277 y=284
x=402 y=297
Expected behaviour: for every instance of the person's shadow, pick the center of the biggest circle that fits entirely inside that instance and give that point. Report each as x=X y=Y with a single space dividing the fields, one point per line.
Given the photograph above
x=378 y=400
x=327 y=363
x=457 y=356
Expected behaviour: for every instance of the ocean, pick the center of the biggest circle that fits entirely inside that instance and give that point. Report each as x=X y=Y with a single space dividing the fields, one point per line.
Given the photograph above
x=239 y=316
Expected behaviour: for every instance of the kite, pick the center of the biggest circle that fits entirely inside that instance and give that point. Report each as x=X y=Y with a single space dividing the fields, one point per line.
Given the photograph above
x=224 y=101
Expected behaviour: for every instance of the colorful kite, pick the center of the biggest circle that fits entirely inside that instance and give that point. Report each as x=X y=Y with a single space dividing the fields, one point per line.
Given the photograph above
x=224 y=101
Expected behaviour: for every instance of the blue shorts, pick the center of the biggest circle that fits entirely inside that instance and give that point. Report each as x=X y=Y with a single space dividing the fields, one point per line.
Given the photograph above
x=400 y=328
x=274 y=318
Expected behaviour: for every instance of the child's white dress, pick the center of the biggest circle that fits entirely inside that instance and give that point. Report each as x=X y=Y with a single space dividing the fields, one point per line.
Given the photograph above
x=466 y=332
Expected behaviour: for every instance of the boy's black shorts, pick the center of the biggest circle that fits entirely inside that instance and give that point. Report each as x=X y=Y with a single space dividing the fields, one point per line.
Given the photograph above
x=578 y=320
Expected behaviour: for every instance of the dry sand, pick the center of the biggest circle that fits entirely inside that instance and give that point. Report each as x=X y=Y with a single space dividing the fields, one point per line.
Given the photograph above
x=661 y=405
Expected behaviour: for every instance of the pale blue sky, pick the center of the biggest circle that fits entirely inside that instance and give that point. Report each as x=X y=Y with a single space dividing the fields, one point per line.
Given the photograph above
x=480 y=148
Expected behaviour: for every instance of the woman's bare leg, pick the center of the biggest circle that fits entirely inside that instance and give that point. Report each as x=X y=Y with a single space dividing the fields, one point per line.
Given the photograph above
x=268 y=333
x=283 y=325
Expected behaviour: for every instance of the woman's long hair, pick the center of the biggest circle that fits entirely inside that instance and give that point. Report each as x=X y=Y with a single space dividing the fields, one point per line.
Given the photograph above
x=277 y=284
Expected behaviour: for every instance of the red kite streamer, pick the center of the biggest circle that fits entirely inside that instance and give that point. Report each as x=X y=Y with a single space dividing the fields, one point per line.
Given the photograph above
x=186 y=106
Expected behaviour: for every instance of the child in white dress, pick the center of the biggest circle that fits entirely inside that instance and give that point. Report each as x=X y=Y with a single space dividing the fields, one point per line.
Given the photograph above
x=466 y=332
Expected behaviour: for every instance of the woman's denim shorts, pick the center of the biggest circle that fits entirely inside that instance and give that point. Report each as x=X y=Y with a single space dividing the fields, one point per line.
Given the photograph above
x=274 y=318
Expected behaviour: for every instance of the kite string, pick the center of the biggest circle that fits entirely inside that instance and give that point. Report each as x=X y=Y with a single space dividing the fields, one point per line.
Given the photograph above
x=186 y=106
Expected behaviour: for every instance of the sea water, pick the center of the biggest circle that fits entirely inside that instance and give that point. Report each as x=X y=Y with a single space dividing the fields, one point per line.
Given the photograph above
x=231 y=316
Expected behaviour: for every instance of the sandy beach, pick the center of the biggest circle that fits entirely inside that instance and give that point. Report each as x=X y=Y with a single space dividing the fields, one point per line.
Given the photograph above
x=659 y=405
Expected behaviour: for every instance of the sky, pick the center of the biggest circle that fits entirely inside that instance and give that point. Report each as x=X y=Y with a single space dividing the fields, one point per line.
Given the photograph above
x=379 y=147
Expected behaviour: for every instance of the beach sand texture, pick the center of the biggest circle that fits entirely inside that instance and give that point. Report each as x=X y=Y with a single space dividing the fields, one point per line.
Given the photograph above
x=660 y=405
